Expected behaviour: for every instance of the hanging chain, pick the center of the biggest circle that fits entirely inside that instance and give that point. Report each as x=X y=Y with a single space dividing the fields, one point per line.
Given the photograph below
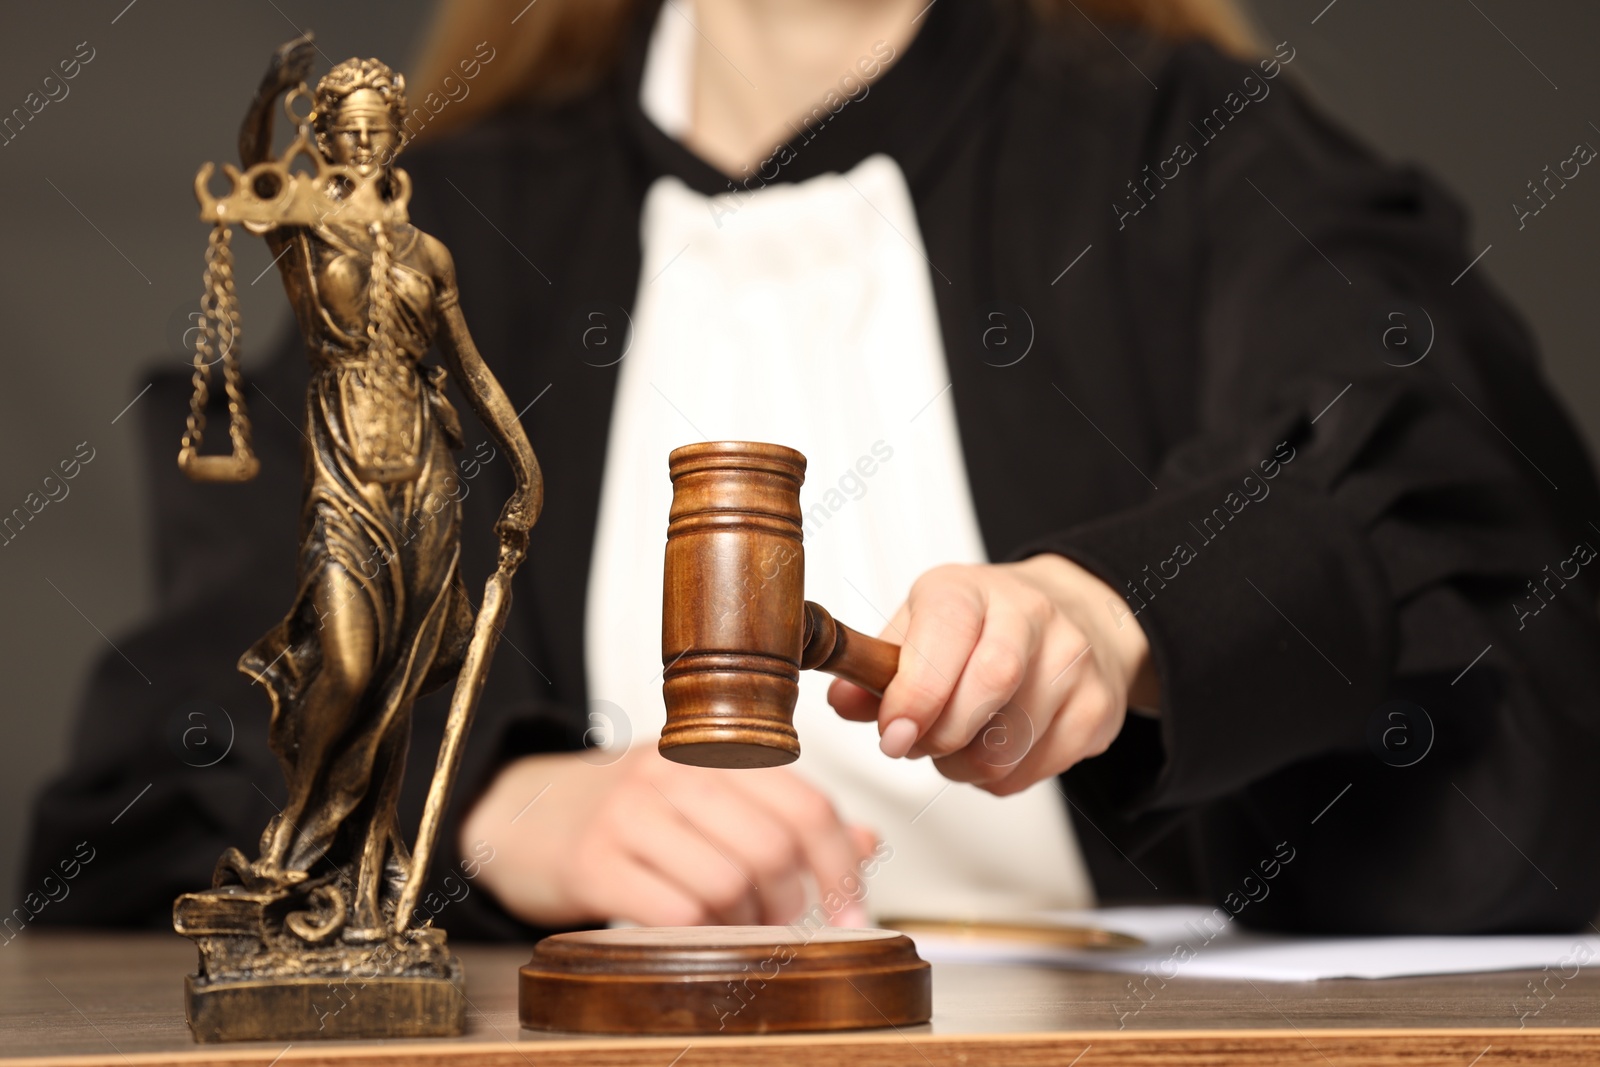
x=388 y=377
x=380 y=299
x=383 y=389
x=217 y=338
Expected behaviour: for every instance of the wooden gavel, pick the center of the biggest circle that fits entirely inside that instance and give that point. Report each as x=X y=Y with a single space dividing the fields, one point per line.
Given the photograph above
x=736 y=629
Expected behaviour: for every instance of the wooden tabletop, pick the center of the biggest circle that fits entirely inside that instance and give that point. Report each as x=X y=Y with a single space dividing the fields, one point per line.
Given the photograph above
x=117 y=999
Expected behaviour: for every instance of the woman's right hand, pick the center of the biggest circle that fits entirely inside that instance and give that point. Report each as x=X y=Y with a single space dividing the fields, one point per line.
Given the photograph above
x=661 y=844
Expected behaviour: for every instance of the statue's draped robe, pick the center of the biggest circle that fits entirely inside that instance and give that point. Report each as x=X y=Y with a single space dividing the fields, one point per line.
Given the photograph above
x=398 y=541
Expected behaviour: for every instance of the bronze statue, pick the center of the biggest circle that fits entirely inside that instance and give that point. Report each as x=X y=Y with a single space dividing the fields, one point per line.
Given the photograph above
x=315 y=936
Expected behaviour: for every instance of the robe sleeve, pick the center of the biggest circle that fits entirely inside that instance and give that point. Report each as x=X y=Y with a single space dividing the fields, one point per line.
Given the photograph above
x=1383 y=509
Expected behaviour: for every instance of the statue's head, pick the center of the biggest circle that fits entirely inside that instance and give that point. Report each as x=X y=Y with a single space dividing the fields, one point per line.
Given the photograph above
x=359 y=107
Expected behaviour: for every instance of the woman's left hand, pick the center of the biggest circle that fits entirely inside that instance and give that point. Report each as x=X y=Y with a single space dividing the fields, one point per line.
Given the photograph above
x=1009 y=673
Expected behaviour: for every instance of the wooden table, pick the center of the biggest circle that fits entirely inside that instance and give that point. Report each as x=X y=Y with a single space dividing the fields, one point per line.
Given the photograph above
x=116 y=999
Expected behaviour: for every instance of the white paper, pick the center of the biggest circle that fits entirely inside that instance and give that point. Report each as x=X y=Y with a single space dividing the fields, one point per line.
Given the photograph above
x=1198 y=942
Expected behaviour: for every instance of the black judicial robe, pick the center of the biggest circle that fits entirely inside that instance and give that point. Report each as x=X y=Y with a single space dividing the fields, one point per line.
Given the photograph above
x=1226 y=307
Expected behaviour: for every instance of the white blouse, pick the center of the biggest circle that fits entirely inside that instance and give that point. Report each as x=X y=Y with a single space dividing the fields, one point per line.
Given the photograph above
x=803 y=314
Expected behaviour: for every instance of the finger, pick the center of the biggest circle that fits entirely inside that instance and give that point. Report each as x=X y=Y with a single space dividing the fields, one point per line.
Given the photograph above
x=864 y=839
x=628 y=889
x=854 y=914
x=1004 y=740
x=992 y=675
x=830 y=850
x=895 y=629
x=945 y=619
x=1084 y=727
x=852 y=702
x=1010 y=733
x=763 y=847
x=659 y=837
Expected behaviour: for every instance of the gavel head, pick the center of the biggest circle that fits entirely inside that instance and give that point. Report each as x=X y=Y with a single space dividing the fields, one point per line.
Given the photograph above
x=733 y=605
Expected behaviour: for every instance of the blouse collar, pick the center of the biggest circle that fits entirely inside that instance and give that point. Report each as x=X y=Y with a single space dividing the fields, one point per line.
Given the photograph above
x=909 y=113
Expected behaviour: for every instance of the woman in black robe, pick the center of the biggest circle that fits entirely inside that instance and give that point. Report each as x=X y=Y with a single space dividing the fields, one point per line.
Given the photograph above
x=1425 y=547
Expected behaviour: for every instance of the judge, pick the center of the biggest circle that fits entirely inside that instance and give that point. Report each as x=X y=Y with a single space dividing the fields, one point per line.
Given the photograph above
x=1209 y=583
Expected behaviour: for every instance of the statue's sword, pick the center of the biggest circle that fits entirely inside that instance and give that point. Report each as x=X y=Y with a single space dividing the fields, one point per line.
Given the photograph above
x=463 y=704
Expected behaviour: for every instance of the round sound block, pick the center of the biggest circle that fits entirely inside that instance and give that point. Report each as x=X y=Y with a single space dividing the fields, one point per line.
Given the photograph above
x=723 y=979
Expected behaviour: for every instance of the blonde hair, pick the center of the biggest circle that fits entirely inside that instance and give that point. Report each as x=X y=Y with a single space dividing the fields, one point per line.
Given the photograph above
x=557 y=49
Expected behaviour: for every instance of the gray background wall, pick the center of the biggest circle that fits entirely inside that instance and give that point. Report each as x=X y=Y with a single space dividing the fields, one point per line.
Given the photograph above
x=102 y=251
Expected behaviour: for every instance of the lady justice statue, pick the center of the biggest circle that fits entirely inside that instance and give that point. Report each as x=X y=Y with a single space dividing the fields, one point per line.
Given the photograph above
x=315 y=936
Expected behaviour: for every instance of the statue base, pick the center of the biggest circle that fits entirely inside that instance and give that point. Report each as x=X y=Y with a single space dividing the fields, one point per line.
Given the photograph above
x=260 y=979
x=324 y=1007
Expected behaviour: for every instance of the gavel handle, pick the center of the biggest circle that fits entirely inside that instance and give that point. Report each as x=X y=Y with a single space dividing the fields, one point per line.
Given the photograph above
x=844 y=653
